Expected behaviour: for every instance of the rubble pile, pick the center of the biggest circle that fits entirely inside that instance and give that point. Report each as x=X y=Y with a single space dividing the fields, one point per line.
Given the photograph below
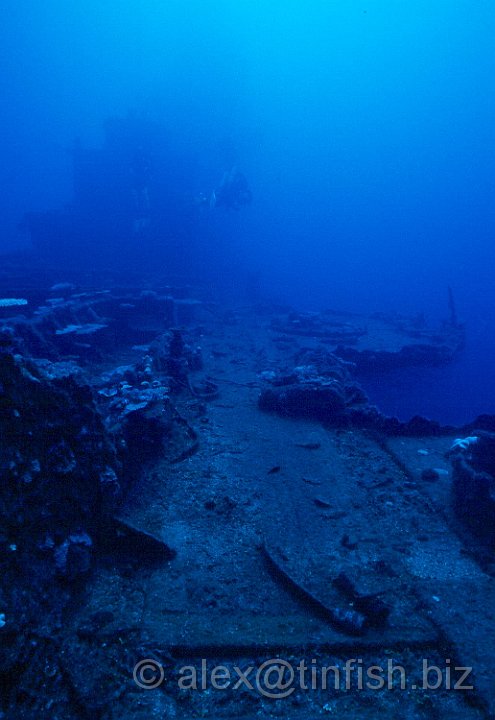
x=319 y=386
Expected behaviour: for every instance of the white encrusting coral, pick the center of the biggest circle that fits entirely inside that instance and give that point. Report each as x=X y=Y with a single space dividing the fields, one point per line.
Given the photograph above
x=12 y=302
x=464 y=443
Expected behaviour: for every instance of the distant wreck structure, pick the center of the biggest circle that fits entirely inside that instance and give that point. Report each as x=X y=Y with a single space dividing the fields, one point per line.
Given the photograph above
x=379 y=341
x=131 y=187
x=342 y=347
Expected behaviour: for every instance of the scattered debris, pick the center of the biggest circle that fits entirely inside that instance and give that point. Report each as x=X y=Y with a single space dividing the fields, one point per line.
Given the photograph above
x=371 y=606
x=129 y=540
x=345 y=620
x=430 y=475
x=321 y=502
x=311 y=481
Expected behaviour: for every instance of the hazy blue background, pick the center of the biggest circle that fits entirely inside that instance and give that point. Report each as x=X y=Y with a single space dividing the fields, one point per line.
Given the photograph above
x=366 y=130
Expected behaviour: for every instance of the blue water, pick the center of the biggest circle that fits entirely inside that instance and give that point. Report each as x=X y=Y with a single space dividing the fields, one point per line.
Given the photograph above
x=366 y=130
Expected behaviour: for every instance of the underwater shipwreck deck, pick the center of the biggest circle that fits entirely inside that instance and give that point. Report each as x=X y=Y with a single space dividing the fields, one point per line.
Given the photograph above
x=266 y=496
x=274 y=527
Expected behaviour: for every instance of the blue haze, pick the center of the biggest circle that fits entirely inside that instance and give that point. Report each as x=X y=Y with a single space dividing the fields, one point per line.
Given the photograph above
x=366 y=130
